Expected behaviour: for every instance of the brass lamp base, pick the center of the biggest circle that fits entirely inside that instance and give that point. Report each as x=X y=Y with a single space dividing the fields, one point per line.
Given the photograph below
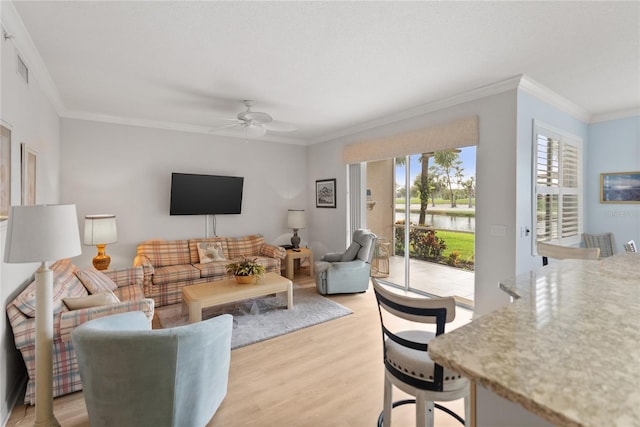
x=102 y=260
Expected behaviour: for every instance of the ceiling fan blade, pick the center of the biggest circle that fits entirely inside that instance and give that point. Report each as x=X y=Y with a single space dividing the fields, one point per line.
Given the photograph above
x=226 y=119
x=278 y=126
x=219 y=128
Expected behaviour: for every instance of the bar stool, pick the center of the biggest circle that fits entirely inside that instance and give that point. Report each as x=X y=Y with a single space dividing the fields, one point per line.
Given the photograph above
x=406 y=360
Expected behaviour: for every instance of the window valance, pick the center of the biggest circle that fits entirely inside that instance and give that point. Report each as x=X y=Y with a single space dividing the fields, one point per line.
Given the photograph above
x=455 y=134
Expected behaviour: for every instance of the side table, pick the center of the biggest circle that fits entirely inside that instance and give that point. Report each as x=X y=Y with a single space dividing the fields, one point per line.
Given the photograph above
x=293 y=255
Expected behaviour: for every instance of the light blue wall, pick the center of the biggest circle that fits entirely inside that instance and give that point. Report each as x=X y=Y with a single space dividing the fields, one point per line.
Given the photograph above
x=613 y=146
x=531 y=108
x=492 y=410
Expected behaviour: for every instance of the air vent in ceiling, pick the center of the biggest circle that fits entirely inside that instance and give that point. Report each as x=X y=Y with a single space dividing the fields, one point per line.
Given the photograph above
x=22 y=69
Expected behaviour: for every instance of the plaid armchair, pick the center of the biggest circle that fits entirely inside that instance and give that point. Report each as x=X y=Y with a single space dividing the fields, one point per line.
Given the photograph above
x=125 y=284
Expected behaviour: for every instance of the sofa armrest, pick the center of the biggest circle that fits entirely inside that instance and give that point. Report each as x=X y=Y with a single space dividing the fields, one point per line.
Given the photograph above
x=346 y=267
x=23 y=327
x=147 y=268
x=273 y=251
x=69 y=320
x=331 y=257
x=127 y=276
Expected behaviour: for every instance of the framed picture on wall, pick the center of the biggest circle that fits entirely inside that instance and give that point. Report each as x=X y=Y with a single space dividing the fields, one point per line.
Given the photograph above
x=5 y=171
x=620 y=187
x=28 y=175
x=326 y=193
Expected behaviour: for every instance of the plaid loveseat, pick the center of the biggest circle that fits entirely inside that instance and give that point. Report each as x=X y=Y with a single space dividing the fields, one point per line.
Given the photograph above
x=170 y=265
x=71 y=283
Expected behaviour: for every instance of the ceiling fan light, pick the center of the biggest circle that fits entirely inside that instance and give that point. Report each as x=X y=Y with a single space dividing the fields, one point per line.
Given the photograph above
x=254 y=130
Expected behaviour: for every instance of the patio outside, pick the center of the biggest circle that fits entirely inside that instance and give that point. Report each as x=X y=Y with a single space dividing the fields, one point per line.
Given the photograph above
x=434 y=279
x=441 y=220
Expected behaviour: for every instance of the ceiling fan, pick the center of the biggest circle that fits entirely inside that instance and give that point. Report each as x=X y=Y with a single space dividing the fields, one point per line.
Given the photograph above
x=254 y=123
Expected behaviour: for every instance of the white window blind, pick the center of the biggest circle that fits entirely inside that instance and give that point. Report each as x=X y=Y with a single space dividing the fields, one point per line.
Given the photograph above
x=558 y=186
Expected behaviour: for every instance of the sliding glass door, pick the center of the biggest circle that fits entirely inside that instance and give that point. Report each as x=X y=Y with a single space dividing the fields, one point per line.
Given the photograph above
x=426 y=241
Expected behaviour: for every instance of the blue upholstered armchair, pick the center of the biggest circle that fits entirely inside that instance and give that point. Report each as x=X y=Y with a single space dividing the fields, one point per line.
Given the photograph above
x=134 y=376
x=347 y=272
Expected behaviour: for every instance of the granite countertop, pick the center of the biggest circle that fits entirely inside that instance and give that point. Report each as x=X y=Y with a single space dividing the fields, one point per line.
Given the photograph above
x=567 y=348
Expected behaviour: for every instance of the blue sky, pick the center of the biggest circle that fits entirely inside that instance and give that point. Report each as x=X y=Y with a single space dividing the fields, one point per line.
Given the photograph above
x=467 y=155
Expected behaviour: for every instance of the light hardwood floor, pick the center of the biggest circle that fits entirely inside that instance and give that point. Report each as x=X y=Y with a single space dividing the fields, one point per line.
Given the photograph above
x=325 y=375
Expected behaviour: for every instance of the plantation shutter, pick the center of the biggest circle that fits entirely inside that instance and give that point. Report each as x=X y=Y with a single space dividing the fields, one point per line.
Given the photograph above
x=558 y=189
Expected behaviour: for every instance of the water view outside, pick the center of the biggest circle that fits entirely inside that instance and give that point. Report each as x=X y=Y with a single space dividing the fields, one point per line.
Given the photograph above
x=443 y=222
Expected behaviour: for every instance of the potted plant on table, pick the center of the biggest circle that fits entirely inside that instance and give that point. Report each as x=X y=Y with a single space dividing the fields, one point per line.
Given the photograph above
x=246 y=270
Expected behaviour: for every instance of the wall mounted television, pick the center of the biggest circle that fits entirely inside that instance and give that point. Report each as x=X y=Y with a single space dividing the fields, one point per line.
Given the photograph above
x=193 y=194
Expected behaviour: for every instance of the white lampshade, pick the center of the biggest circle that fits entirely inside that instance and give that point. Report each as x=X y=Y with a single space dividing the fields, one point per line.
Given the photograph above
x=296 y=218
x=100 y=229
x=42 y=233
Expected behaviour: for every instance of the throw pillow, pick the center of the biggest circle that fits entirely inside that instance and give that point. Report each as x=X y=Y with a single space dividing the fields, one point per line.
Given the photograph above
x=209 y=252
x=96 y=281
x=95 y=300
x=65 y=283
x=351 y=252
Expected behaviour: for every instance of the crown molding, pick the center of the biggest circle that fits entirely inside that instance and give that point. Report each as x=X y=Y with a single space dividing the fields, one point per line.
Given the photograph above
x=173 y=126
x=550 y=97
x=615 y=115
x=29 y=53
x=461 y=98
x=516 y=82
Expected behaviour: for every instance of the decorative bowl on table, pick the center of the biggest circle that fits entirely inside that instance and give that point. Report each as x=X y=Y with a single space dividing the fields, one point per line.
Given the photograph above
x=245 y=280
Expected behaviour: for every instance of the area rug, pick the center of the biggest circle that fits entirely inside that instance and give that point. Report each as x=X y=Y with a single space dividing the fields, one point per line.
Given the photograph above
x=263 y=318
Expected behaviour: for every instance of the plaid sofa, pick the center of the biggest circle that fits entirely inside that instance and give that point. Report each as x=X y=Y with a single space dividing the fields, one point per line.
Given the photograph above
x=170 y=265
x=67 y=284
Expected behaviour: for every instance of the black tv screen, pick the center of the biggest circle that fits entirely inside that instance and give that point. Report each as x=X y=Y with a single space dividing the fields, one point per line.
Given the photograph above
x=193 y=194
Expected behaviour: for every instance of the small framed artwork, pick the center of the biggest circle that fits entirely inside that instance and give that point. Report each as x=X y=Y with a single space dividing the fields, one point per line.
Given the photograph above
x=5 y=172
x=28 y=175
x=326 y=193
x=620 y=187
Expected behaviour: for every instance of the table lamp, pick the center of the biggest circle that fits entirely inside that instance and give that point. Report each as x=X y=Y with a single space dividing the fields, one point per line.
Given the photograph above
x=100 y=230
x=296 y=221
x=43 y=233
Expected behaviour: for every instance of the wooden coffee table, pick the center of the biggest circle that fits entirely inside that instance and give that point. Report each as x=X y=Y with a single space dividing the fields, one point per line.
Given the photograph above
x=195 y=298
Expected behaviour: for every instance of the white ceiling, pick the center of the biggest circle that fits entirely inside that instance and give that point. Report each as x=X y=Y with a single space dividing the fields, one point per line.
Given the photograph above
x=325 y=66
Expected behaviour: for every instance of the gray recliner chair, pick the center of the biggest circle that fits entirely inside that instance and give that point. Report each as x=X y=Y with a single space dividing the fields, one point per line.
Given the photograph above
x=135 y=376
x=349 y=271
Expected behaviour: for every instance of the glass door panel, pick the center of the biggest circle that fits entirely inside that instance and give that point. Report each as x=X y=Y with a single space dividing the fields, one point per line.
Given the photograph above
x=438 y=223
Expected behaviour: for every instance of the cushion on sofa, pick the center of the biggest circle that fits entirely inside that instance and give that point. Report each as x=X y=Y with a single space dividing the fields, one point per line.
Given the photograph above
x=209 y=252
x=65 y=284
x=212 y=269
x=94 y=300
x=193 y=247
x=175 y=273
x=248 y=246
x=162 y=253
x=95 y=281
